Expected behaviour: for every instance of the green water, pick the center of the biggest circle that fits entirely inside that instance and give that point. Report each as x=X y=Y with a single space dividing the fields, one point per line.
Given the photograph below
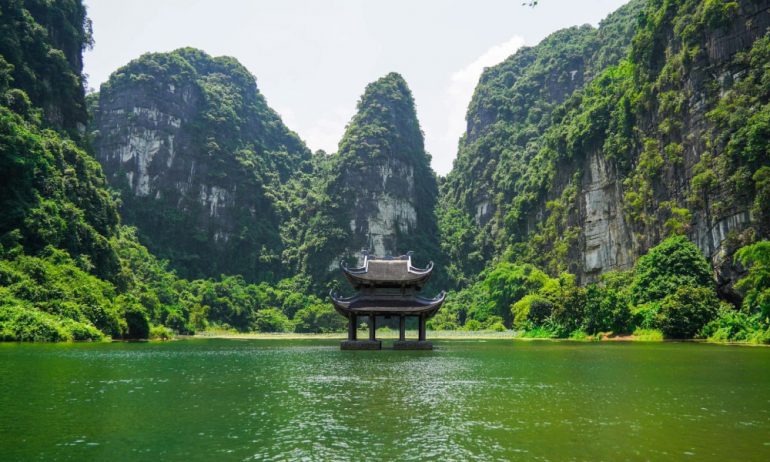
x=307 y=400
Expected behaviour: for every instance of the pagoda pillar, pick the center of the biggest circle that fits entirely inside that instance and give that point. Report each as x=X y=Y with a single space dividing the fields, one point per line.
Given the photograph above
x=421 y=337
x=352 y=332
x=372 y=327
x=402 y=328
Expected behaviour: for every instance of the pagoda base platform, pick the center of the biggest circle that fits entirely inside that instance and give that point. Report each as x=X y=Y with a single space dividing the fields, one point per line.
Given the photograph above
x=412 y=345
x=361 y=345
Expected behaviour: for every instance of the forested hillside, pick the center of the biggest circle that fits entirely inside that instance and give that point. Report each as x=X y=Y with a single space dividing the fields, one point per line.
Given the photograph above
x=377 y=192
x=580 y=180
x=611 y=181
x=200 y=161
x=511 y=111
x=68 y=269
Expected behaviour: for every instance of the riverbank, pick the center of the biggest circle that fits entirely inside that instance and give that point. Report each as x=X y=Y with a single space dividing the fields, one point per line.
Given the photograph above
x=448 y=335
x=381 y=334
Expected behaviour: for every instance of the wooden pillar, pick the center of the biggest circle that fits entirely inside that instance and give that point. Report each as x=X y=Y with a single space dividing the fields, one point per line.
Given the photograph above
x=352 y=328
x=372 y=327
x=402 y=328
x=422 y=329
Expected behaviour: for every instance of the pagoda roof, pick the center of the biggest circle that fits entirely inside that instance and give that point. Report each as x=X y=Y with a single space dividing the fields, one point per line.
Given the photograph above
x=387 y=272
x=378 y=305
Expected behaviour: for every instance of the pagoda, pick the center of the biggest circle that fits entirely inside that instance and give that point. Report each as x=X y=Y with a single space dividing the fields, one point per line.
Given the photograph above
x=387 y=286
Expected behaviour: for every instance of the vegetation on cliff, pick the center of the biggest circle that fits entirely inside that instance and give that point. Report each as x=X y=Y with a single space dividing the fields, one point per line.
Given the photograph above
x=200 y=160
x=231 y=196
x=377 y=192
x=68 y=269
x=670 y=290
x=674 y=135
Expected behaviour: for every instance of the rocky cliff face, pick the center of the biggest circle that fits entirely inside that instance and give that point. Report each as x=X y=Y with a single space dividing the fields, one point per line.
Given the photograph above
x=511 y=109
x=200 y=159
x=684 y=133
x=380 y=189
x=385 y=173
x=655 y=145
x=44 y=42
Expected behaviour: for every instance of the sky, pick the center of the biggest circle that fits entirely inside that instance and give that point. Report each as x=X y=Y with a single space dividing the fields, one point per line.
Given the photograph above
x=313 y=58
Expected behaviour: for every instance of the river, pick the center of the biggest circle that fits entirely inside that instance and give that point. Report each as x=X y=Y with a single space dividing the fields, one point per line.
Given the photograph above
x=241 y=400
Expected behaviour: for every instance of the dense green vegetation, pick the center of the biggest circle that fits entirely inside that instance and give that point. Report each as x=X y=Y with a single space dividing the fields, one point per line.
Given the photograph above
x=221 y=142
x=505 y=228
x=68 y=269
x=342 y=188
x=41 y=47
x=506 y=158
x=669 y=291
x=652 y=114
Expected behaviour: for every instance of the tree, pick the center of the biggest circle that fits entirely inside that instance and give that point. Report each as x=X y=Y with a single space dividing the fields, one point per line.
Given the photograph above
x=271 y=320
x=673 y=263
x=684 y=313
x=508 y=283
x=318 y=318
x=756 y=284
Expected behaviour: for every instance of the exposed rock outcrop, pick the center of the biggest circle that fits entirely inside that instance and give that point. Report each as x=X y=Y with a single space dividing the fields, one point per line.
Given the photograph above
x=381 y=189
x=588 y=176
x=200 y=159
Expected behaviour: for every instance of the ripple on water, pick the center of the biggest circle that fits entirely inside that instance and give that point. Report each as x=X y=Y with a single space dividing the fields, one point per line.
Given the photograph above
x=287 y=400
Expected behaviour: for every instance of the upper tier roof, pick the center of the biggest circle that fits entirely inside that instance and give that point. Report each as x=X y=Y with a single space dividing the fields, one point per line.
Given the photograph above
x=387 y=272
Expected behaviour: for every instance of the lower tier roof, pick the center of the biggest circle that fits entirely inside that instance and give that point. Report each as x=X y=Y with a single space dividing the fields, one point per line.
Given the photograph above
x=378 y=305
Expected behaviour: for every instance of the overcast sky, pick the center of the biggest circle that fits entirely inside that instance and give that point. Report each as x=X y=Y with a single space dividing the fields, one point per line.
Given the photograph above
x=313 y=58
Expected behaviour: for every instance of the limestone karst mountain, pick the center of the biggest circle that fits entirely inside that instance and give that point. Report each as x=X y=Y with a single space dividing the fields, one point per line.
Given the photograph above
x=378 y=191
x=200 y=160
x=640 y=145
x=577 y=160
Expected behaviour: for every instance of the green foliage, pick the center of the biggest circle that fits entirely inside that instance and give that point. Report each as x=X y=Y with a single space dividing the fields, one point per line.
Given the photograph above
x=21 y=323
x=161 y=333
x=733 y=325
x=670 y=292
x=473 y=325
x=54 y=284
x=271 y=320
x=607 y=310
x=686 y=311
x=230 y=140
x=508 y=283
x=318 y=318
x=445 y=319
x=54 y=194
x=384 y=135
x=673 y=263
x=137 y=320
x=648 y=335
x=532 y=309
x=68 y=270
x=646 y=315
x=457 y=231
x=756 y=284
x=507 y=159
x=40 y=50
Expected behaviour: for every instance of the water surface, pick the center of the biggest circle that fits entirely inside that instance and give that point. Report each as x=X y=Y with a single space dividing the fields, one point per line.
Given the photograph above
x=307 y=400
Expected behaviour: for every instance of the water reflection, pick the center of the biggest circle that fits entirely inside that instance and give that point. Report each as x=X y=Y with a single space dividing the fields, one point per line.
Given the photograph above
x=304 y=400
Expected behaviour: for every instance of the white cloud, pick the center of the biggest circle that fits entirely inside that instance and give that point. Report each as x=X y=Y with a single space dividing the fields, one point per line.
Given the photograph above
x=459 y=93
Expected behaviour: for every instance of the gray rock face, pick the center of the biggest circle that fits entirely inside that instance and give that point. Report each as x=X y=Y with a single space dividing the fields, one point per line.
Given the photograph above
x=608 y=240
x=518 y=101
x=140 y=135
x=386 y=207
x=382 y=188
x=193 y=147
